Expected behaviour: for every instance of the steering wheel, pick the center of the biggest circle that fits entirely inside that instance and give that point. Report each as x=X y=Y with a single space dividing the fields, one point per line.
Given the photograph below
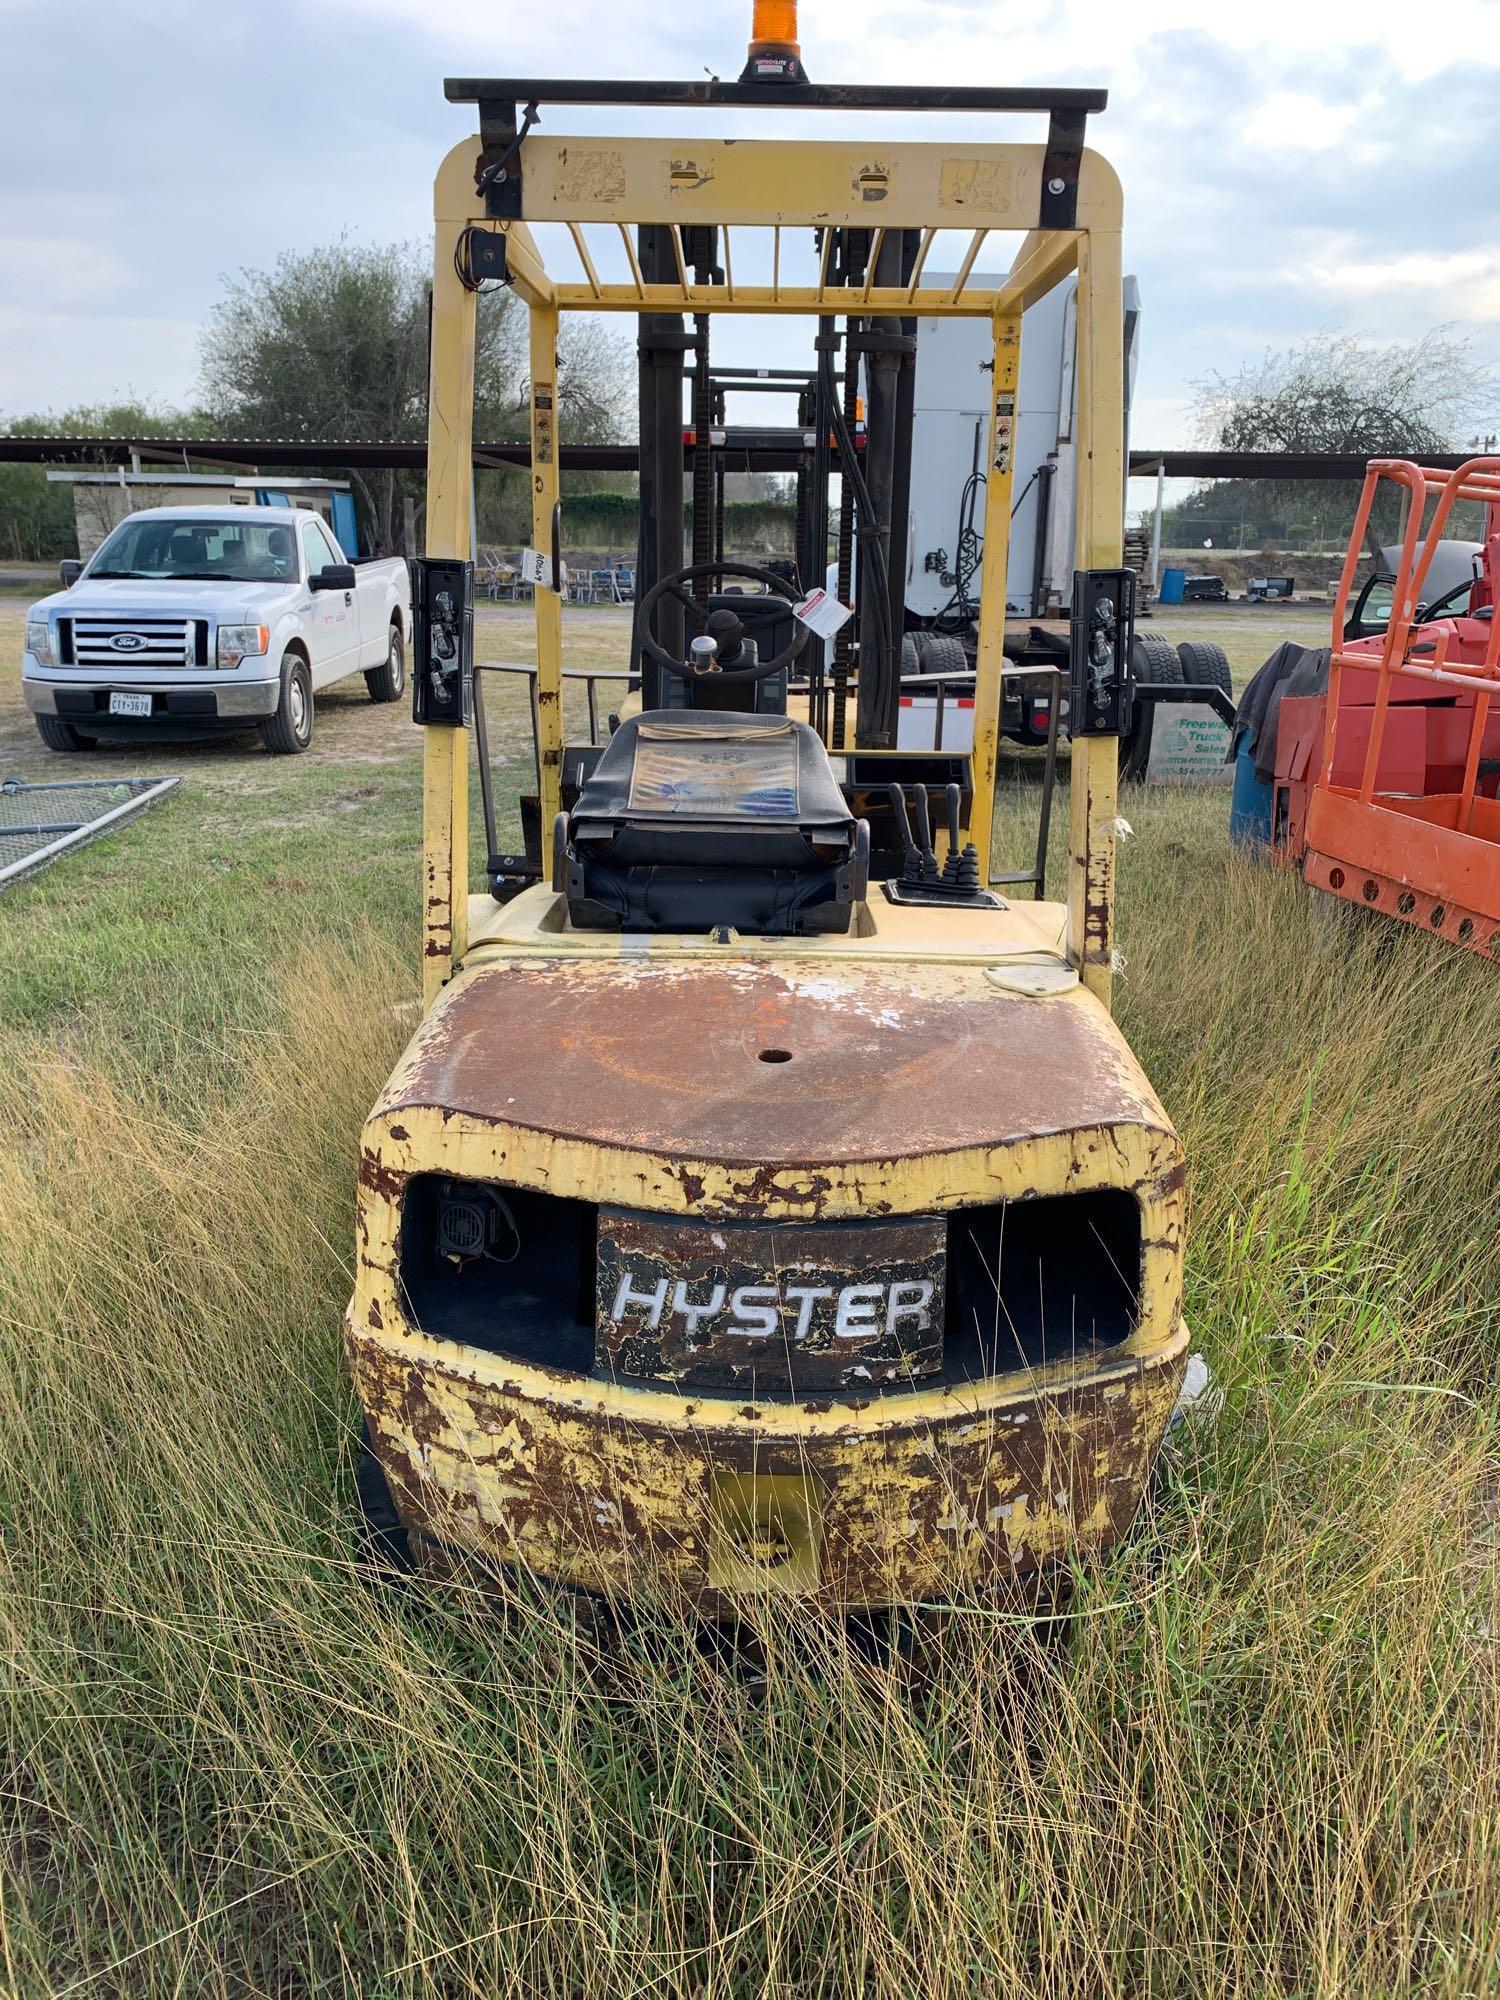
x=723 y=625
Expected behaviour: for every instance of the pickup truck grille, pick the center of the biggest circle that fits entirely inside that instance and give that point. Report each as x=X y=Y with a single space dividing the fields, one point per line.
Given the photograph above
x=119 y=645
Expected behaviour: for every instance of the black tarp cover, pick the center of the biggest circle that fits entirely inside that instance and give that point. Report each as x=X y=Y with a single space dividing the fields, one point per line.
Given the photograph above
x=1291 y=669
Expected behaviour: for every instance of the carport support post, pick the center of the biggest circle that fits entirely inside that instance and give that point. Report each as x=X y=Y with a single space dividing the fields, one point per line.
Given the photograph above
x=547 y=598
x=1093 y=788
x=990 y=663
x=445 y=751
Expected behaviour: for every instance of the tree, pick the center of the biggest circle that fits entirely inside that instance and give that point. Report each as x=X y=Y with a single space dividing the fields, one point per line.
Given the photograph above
x=332 y=345
x=36 y=515
x=1335 y=392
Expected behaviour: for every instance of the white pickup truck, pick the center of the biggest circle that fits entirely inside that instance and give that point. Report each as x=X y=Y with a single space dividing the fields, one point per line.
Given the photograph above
x=190 y=621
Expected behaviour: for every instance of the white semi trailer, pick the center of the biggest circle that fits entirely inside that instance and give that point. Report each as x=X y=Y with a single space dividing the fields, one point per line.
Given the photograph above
x=953 y=400
x=949 y=435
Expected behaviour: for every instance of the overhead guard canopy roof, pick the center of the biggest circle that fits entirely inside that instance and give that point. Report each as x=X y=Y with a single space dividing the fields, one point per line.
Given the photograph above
x=773 y=96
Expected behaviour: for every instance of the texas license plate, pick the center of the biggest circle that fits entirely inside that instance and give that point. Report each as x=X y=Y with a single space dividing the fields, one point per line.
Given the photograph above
x=801 y=1306
x=130 y=704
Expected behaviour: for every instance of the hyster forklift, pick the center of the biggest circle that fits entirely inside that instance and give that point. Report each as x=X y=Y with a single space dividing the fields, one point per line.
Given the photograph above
x=762 y=1206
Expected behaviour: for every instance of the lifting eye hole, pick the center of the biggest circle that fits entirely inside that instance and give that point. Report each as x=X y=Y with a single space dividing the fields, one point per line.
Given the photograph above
x=775 y=1055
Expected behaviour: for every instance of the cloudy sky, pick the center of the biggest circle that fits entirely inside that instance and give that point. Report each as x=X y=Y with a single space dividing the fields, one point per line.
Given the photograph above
x=1294 y=165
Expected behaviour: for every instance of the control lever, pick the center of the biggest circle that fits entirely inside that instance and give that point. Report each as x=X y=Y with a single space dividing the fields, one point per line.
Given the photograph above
x=957 y=883
x=954 y=861
x=911 y=858
x=928 y=864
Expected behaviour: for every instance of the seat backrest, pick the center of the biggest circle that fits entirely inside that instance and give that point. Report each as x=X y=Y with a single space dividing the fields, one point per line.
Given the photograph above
x=693 y=818
x=188 y=545
x=681 y=767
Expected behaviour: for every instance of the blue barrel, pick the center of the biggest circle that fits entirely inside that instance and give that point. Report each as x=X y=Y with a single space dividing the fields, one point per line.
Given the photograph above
x=1250 y=802
x=1172 y=581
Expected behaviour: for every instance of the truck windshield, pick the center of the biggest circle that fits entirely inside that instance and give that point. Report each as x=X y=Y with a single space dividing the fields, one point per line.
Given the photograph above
x=184 y=549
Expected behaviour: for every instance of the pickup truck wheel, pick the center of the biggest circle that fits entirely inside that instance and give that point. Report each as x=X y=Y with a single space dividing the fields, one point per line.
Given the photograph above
x=388 y=681
x=60 y=735
x=288 y=732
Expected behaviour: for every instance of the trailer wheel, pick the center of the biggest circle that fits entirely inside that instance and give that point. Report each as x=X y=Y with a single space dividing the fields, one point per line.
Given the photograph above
x=288 y=732
x=383 y=1545
x=387 y=682
x=60 y=735
x=1156 y=660
x=941 y=653
x=1205 y=665
x=1155 y=663
x=911 y=658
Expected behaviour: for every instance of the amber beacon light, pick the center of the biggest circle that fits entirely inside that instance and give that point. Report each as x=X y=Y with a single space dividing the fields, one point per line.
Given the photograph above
x=775 y=54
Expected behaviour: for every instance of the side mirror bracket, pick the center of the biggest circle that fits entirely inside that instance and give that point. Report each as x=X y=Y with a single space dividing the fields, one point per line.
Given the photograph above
x=1103 y=624
x=442 y=634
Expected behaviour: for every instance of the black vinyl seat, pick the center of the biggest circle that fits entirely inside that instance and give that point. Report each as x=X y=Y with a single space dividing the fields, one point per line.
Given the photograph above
x=696 y=819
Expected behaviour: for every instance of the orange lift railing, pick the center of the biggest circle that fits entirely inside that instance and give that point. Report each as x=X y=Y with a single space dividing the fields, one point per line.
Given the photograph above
x=1404 y=815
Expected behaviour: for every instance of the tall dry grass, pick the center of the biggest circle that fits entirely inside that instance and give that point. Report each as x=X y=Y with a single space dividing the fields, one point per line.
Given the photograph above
x=1267 y=1759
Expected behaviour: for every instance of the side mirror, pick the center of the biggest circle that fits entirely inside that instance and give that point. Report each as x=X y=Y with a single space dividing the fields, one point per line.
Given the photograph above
x=335 y=576
x=69 y=570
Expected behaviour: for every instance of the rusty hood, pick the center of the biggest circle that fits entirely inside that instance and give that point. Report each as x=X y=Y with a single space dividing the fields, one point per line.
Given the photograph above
x=763 y=1070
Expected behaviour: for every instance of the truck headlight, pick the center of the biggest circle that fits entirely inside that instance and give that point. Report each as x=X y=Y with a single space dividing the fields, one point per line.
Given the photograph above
x=39 y=642
x=239 y=642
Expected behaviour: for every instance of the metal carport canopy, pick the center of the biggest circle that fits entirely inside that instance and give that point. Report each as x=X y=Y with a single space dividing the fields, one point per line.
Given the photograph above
x=375 y=454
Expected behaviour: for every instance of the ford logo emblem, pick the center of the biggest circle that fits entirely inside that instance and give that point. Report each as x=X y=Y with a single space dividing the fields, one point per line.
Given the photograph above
x=127 y=642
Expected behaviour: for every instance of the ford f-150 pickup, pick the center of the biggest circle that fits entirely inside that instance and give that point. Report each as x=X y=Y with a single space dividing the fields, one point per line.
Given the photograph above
x=189 y=621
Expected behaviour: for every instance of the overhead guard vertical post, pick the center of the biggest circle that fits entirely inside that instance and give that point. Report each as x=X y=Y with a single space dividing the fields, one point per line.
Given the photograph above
x=990 y=663
x=1093 y=790
x=450 y=471
x=547 y=597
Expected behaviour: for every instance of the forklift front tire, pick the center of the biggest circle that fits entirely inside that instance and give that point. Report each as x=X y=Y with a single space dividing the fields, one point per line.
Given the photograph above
x=383 y=1546
x=288 y=732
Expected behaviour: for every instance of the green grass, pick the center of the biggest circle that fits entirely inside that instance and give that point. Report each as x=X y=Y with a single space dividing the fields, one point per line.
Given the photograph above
x=1267 y=1760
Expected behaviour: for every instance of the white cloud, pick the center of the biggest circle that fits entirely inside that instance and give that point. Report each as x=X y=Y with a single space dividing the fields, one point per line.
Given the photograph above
x=1451 y=284
x=931 y=40
x=1273 y=185
x=57 y=360
x=59 y=269
x=1297 y=119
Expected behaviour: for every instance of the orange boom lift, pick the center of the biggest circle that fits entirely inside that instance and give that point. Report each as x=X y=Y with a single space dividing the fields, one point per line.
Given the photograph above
x=1386 y=785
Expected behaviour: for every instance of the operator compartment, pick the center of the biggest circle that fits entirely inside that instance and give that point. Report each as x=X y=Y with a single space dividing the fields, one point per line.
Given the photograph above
x=696 y=819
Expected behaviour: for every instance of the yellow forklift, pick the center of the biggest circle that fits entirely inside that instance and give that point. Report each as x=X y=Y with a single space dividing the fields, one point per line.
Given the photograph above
x=767 y=1200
